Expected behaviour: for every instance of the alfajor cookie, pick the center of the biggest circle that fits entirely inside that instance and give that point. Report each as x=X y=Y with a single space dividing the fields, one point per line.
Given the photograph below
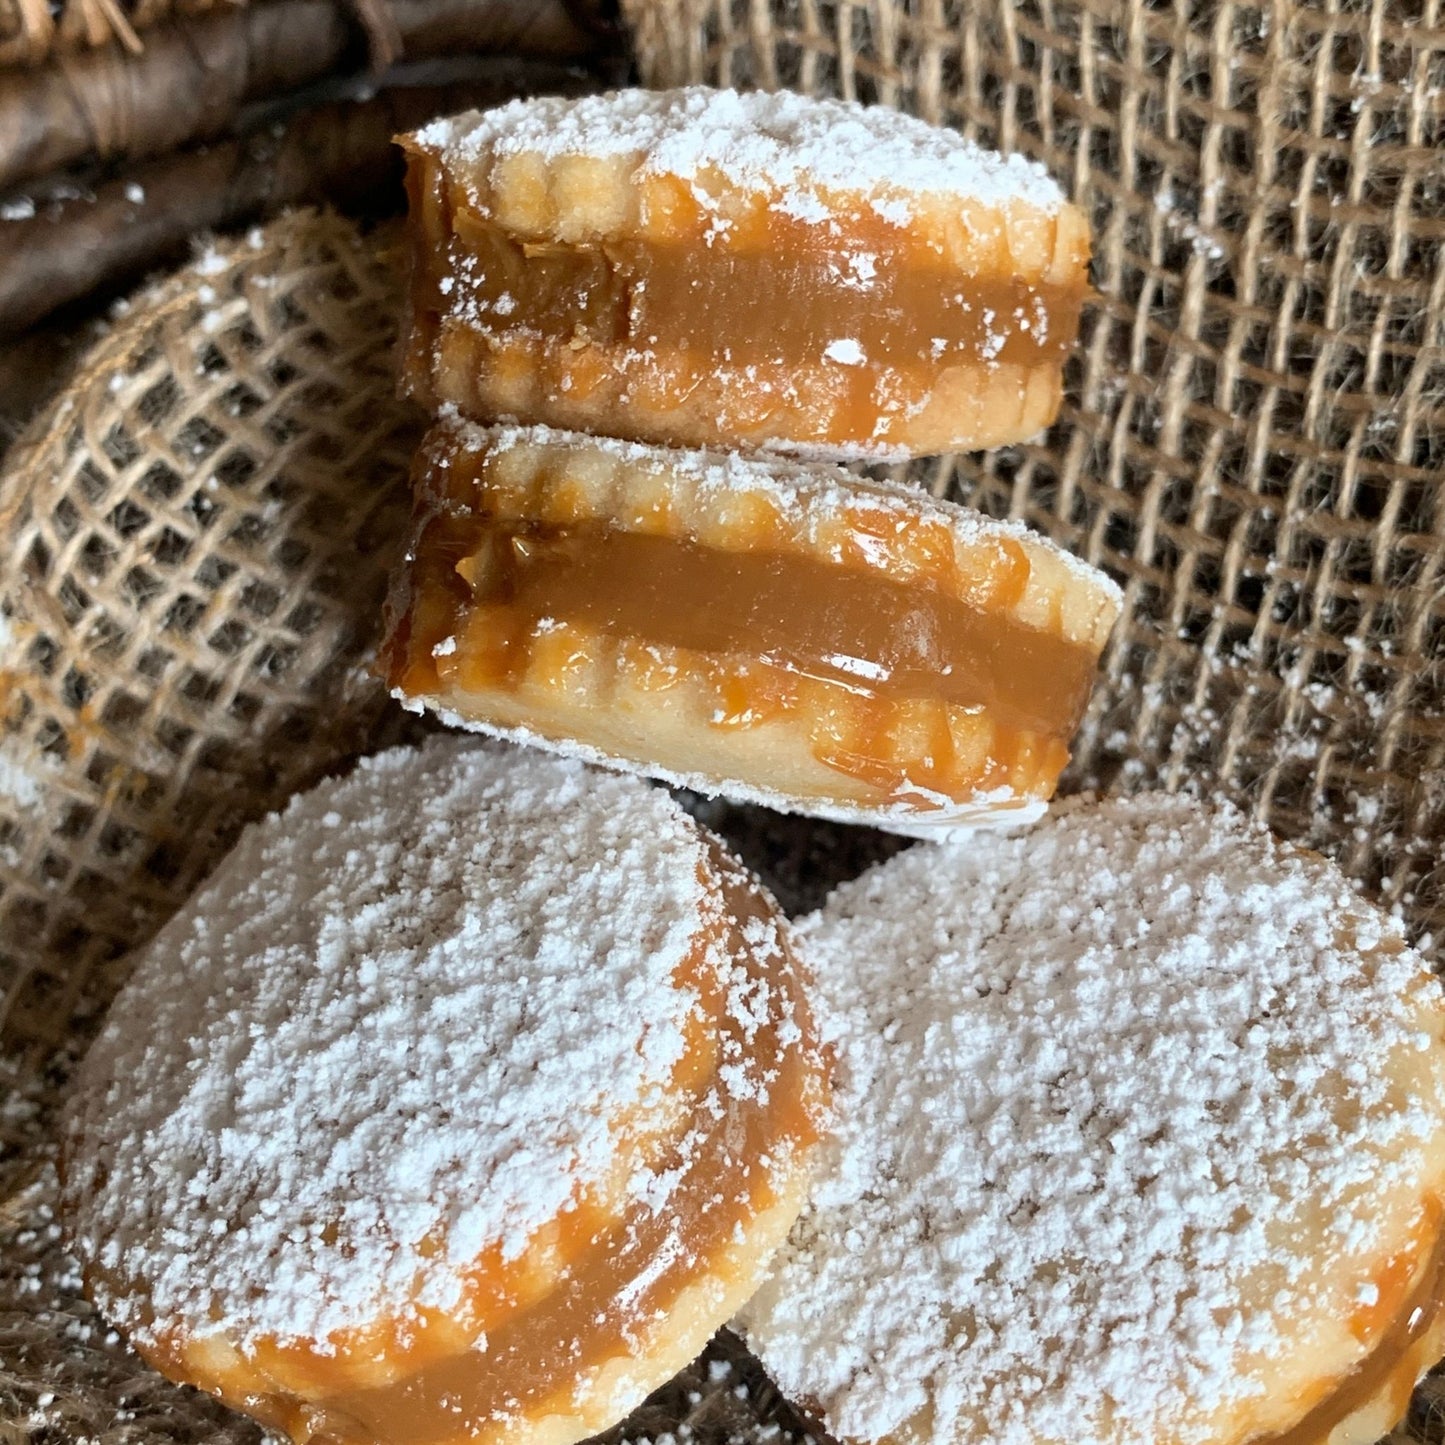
x=700 y=267
x=1142 y=1142
x=787 y=634
x=464 y=1102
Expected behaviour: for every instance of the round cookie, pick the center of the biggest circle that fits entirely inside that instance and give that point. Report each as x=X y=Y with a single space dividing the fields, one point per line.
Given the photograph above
x=465 y=1101
x=1142 y=1142
x=785 y=634
x=765 y=270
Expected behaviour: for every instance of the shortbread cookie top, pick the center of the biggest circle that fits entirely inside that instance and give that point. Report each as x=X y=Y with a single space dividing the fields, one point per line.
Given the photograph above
x=413 y=1019
x=789 y=143
x=1142 y=1141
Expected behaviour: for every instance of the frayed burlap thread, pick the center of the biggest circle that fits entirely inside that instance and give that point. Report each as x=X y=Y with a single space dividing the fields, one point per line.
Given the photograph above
x=1255 y=433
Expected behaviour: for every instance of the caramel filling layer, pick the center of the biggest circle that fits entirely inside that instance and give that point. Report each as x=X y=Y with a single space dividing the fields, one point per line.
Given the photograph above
x=611 y=1296
x=857 y=629
x=1420 y=1310
x=799 y=296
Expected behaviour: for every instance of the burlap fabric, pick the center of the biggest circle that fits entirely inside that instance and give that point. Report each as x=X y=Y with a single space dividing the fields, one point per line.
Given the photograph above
x=196 y=541
x=1250 y=445
x=197 y=535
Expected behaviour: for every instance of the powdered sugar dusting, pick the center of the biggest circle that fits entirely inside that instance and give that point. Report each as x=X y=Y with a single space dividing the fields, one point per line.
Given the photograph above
x=1089 y=1080
x=361 y=1040
x=792 y=143
x=845 y=351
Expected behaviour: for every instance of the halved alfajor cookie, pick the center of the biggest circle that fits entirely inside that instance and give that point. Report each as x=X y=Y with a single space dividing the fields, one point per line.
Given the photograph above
x=464 y=1103
x=1142 y=1142
x=700 y=267
x=786 y=634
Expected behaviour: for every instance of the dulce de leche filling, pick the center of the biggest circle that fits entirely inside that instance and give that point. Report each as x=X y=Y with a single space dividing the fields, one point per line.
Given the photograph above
x=774 y=289
x=617 y=1275
x=484 y=590
x=859 y=630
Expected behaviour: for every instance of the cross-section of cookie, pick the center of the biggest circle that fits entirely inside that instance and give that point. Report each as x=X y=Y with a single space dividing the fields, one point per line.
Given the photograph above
x=780 y=633
x=1141 y=1142
x=464 y=1103
x=706 y=268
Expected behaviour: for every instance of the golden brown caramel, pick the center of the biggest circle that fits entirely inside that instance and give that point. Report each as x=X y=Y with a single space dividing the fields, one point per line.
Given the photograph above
x=747 y=327
x=614 y=1287
x=1414 y=1317
x=791 y=304
x=857 y=630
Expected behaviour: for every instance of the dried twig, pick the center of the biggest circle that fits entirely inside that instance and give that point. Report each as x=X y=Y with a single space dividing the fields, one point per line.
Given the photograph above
x=340 y=152
x=31 y=31
x=195 y=75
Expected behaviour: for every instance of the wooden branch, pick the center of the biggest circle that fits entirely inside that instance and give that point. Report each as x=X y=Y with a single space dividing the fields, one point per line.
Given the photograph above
x=30 y=33
x=192 y=78
x=339 y=152
x=384 y=39
x=195 y=74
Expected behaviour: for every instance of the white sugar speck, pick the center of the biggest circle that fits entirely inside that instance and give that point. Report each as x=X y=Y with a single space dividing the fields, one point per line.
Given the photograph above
x=845 y=351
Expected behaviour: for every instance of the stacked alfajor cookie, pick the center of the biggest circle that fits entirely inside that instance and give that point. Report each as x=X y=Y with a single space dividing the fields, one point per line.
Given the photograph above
x=756 y=275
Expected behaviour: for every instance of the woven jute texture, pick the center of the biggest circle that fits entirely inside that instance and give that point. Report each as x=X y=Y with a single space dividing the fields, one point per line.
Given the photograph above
x=197 y=535
x=197 y=539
